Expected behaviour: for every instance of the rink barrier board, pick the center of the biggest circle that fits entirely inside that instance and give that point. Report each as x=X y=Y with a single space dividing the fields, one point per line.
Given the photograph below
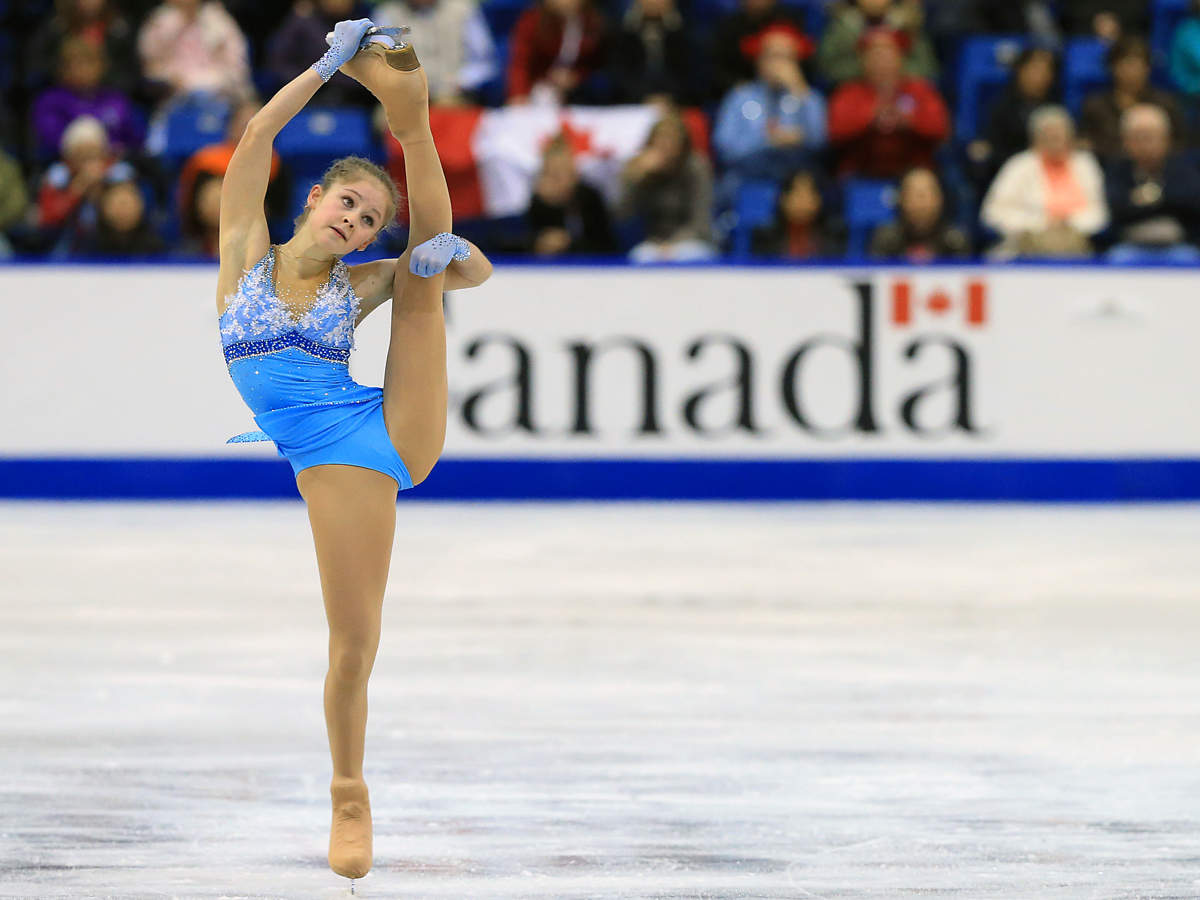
x=922 y=480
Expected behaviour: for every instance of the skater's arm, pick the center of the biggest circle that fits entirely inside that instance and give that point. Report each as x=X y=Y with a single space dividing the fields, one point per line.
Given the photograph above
x=243 y=230
x=243 y=221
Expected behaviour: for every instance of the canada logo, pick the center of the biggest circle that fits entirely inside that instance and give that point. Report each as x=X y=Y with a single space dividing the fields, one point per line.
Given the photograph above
x=908 y=306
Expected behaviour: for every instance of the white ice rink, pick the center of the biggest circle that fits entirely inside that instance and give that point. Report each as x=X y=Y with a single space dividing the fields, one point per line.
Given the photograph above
x=610 y=702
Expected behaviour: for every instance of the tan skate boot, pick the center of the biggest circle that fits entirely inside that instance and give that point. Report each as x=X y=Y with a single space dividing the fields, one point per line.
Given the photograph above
x=398 y=81
x=350 y=849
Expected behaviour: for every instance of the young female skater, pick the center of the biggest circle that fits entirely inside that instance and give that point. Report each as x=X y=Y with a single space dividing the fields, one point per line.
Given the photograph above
x=287 y=318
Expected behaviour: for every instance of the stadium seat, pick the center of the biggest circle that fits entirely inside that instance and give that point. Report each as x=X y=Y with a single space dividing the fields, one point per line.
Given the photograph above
x=1083 y=70
x=502 y=15
x=1165 y=18
x=318 y=136
x=869 y=203
x=754 y=205
x=983 y=69
x=192 y=125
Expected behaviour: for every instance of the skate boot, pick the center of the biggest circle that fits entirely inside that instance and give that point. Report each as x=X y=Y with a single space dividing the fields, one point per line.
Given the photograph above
x=350 y=850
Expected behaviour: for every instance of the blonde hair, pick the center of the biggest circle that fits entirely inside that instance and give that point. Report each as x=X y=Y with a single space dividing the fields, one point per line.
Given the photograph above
x=350 y=167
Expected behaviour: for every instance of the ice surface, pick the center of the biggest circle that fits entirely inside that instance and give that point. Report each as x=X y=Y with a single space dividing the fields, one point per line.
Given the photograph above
x=610 y=701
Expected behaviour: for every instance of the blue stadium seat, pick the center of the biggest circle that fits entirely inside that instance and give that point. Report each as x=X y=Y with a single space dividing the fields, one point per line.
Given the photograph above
x=869 y=203
x=754 y=205
x=502 y=15
x=317 y=136
x=1165 y=18
x=984 y=67
x=1083 y=71
x=494 y=91
x=192 y=125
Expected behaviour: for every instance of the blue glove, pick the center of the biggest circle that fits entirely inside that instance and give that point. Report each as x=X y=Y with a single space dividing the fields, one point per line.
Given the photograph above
x=342 y=46
x=432 y=257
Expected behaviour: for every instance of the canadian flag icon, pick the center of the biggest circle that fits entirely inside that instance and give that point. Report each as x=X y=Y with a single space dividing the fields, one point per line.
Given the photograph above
x=938 y=303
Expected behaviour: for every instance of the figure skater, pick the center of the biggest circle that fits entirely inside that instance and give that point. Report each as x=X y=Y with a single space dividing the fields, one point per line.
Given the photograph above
x=287 y=319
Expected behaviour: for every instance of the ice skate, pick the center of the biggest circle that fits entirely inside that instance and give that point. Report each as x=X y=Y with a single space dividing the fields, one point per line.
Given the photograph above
x=350 y=845
x=388 y=68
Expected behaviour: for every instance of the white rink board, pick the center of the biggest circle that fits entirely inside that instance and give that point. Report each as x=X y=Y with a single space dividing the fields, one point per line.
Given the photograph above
x=1075 y=362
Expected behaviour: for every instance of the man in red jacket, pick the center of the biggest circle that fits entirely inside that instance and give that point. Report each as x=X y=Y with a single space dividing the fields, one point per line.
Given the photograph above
x=886 y=122
x=556 y=45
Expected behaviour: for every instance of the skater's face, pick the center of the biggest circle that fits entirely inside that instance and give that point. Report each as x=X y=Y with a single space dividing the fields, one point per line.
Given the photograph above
x=348 y=215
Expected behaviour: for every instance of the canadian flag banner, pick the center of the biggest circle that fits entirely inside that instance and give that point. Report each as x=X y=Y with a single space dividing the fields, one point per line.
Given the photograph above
x=492 y=156
x=972 y=305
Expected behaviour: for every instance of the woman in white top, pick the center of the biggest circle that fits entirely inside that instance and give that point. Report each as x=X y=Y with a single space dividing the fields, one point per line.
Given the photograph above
x=1048 y=200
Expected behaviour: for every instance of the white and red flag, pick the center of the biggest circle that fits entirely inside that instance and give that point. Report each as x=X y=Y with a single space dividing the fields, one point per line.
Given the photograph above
x=492 y=156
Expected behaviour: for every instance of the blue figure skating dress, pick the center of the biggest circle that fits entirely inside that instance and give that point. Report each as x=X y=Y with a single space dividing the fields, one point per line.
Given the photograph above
x=294 y=375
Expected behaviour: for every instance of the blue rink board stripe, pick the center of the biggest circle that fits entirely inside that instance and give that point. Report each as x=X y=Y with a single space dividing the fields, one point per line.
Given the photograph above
x=1019 y=480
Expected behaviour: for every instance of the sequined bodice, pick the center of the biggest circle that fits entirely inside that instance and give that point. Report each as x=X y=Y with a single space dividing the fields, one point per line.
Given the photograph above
x=256 y=321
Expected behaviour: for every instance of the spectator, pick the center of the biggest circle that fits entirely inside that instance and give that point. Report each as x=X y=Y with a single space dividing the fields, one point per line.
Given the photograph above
x=1154 y=194
x=652 y=56
x=300 y=38
x=1107 y=19
x=731 y=64
x=202 y=225
x=98 y=23
x=1033 y=84
x=804 y=226
x=886 y=122
x=71 y=186
x=79 y=93
x=668 y=185
x=566 y=216
x=922 y=233
x=455 y=43
x=1185 y=53
x=851 y=19
x=195 y=47
x=122 y=227
x=14 y=200
x=1100 y=123
x=556 y=46
x=1047 y=200
x=768 y=127
x=214 y=160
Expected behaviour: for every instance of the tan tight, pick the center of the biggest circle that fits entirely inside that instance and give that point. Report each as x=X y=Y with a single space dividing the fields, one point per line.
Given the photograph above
x=352 y=510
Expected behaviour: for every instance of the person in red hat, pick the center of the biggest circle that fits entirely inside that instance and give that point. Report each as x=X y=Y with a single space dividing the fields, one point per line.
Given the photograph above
x=886 y=122
x=768 y=127
x=731 y=65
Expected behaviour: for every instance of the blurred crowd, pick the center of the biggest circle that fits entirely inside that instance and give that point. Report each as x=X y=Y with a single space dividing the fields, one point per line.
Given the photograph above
x=910 y=130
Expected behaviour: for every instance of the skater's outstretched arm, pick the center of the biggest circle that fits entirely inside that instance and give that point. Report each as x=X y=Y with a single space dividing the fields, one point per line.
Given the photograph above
x=243 y=231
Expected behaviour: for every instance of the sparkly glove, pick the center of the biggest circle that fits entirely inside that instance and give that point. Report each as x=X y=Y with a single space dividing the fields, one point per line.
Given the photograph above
x=342 y=45
x=432 y=257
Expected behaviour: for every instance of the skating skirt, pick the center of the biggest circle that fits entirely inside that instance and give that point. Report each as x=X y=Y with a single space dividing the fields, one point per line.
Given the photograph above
x=315 y=413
